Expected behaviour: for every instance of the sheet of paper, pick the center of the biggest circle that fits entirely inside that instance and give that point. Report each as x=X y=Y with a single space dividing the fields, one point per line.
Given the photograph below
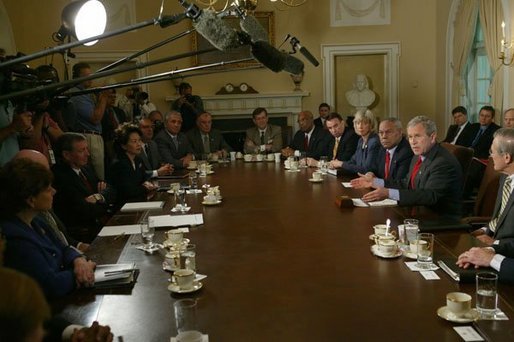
x=118 y=230
x=429 y=275
x=177 y=220
x=347 y=184
x=468 y=333
x=413 y=266
x=135 y=206
x=332 y=172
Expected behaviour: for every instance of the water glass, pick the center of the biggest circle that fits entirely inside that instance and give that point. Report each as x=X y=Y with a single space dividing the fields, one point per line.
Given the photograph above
x=180 y=199
x=323 y=164
x=186 y=321
x=188 y=257
x=487 y=295
x=411 y=228
x=193 y=180
x=425 y=249
x=303 y=160
x=202 y=166
x=147 y=233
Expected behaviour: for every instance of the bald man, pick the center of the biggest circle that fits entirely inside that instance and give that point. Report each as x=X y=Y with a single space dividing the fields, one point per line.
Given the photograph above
x=508 y=118
x=50 y=217
x=311 y=139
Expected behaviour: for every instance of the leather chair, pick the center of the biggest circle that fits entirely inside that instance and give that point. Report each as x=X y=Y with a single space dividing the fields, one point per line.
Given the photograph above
x=463 y=154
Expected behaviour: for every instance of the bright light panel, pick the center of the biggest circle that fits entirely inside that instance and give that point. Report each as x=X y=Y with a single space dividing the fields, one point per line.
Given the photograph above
x=90 y=21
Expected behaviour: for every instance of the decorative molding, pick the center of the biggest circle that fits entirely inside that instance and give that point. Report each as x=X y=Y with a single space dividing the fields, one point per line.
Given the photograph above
x=236 y=106
x=391 y=52
x=360 y=12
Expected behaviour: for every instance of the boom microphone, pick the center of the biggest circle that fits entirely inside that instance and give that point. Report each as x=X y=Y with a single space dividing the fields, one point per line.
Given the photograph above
x=296 y=44
x=216 y=31
x=251 y=25
x=274 y=59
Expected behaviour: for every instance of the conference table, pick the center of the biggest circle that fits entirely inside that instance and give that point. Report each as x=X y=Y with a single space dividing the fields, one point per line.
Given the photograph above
x=283 y=263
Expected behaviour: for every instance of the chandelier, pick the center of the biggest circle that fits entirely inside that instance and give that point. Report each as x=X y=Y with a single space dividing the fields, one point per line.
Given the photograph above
x=249 y=5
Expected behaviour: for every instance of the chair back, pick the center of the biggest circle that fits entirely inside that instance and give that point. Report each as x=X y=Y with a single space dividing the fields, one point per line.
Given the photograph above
x=463 y=154
x=487 y=192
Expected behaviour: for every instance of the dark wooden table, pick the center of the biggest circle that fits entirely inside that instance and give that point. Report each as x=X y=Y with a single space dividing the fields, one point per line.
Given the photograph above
x=283 y=264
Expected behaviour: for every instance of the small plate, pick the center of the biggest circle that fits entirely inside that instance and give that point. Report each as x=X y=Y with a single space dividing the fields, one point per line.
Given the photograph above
x=375 y=251
x=410 y=255
x=175 y=289
x=446 y=314
x=211 y=203
x=312 y=180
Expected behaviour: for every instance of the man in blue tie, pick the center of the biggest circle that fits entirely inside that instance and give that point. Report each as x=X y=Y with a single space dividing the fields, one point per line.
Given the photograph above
x=173 y=145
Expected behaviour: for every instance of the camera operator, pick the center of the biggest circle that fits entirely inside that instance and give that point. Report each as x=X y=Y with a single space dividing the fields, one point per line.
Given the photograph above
x=189 y=105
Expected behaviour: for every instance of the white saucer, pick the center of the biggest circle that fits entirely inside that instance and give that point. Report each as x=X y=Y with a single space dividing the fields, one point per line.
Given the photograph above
x=375 y=251
x=211 y=203
x=175 y=289
x=312 y=180
x=410 y=255
x=297 y=170
x=446 y=314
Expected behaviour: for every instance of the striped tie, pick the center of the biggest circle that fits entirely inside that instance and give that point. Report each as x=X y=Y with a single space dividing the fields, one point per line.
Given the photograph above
x=505 y=198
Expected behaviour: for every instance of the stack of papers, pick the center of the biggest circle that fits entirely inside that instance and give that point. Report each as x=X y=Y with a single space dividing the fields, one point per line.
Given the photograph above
x=177 y=220
x=384 y=203
x=120 y=230
x=115 y=275
x=137 y=206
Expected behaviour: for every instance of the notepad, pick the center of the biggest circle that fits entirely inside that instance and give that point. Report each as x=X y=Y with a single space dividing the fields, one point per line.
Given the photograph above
x=135 y=206
x=384 y=203
x=118 y=230
x=177 y=220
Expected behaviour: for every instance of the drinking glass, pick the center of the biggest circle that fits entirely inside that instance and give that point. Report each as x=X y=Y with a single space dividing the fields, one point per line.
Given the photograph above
x=425 y=250
x=188 y=257
x=180 y=197
x=487 y=295
x=323 y=164
x=303 y=160
x=186 y=321
x=193 y=180
x=147 y=233
x=411 y=227
x=202 y=166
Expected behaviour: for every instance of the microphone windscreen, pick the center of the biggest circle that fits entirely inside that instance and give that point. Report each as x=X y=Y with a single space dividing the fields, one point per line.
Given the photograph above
x=270 y=57
x=252 y=26
x=216 y=31
x=308 y=55
x=293 y=65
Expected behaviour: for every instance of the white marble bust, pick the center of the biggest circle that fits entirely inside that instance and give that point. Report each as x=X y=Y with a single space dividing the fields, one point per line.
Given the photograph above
x=360 y=97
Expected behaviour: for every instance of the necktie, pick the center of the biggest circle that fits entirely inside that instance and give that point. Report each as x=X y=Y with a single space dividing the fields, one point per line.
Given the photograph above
x=148 y=154
x=175 y=141
x=55 y=228
x=262 y=138
x=387 y=165
x=86 y=182
x=477 y=137
x=415 y=172
x=505 y=198
x=306 y=142
x=206 y=144
x=336 y=147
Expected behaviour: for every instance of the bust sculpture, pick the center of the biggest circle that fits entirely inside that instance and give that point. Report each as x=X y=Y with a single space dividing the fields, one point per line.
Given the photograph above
x=360 y=97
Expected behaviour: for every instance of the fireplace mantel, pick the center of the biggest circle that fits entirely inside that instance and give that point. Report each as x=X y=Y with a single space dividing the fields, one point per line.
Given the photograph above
x=238 y=106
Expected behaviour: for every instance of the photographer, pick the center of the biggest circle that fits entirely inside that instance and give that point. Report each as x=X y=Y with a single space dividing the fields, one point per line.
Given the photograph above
x=188 y=105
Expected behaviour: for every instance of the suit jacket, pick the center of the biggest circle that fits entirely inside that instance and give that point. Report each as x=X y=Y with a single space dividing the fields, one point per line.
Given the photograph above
x=399 y=164
x=69 y=200
x=346 y=148
x=253 y=138
x=128 y=181
x=505 y=225
x=216 y=141
x=506 y=273
x=485 y=141
x=465 y=137
x=364 y=156
x=152 y=161
x=38 y=253
x=438 y=184
x=318 y=142
x=318 y=122
x=167 y=150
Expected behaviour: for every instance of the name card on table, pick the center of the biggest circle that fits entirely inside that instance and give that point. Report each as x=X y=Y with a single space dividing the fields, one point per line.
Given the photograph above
x=384 y=203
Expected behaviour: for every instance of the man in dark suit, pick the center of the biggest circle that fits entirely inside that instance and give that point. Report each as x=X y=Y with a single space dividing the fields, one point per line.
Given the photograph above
x=501 y=227
x=499 y=257
x=263 y=136
x=205 y=140
x=434 y=177
x=461 y=133
x=323 y=110
x=173 y=145
x=81 y=201
x=309 y=139
x=150 y=152
x=344 y=137
x=396 y=165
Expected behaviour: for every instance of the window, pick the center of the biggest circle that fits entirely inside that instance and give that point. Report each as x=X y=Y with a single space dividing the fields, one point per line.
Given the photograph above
x=479 y=76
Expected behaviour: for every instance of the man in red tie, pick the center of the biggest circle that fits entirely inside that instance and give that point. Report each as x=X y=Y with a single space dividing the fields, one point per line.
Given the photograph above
x=310 y=139
x=434 y=177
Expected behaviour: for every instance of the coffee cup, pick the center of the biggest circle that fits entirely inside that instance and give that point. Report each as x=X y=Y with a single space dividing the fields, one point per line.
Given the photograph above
x=239 y=155
x=193 y=164
x=415 y=244
x=173 y=260
x=248 y=157
x=259 y=157
x=270 y=157
x=233 y=155
x=316 y=176
x=174 y=236
x=210 y=198
x=458 y=303
x=277 y=157
x=380 y=229
x=387 y=247
x=293 y=165
x=184 y=278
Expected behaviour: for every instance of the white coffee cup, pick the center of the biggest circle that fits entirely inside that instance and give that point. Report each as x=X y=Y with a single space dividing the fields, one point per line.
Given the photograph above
x=387 y=247
x=233 y=155
x=239 y=155
x=175 y=237
x=173 y=260
x=317 y=175
x=459 y=303
x=277 y=157
x=184 y=278
x=380 y=229
x=270 y=157
x=259 y=157
x=293 y=165
x=248 y=157
x=415 y=244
